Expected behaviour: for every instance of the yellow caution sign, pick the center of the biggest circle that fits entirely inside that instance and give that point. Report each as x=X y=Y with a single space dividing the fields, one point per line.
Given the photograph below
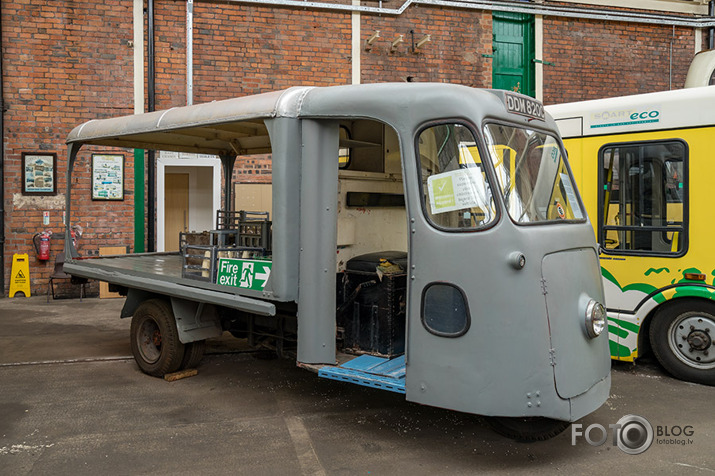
x=20 y=275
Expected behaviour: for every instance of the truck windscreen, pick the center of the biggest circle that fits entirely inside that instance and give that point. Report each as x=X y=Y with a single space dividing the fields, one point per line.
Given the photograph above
x=532 y=175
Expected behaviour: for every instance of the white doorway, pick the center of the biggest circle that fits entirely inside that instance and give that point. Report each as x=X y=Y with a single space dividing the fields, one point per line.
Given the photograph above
x=188 y=190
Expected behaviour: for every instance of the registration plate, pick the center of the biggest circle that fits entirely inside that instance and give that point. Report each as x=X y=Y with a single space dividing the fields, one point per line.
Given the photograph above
x=524 y=106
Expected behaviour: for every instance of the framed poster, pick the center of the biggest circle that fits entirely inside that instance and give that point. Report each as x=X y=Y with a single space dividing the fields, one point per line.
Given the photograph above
x=107 y=177
x=39 y=176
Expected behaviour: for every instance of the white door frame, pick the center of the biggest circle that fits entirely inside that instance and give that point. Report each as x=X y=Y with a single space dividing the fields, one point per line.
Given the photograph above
x=173 y=159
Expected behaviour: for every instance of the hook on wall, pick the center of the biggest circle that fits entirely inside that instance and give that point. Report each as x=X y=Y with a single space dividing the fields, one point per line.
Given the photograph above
x=371 y=40
x=420 y=43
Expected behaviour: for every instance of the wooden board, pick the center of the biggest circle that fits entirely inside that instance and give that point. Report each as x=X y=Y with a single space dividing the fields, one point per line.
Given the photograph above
x=176 y=209
x=104 y=292
x=172 y=377
x=254 y=197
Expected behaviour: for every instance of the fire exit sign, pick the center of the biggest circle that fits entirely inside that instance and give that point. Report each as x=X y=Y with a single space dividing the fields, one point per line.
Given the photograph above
x=243 y=273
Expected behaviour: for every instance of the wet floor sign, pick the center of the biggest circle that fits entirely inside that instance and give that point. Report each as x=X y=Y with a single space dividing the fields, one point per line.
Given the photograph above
x=20 y=275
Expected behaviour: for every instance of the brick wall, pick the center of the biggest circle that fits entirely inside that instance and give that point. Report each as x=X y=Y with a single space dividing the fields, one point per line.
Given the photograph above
x=64 y=63
x=596 y=59
x=241 y=50
x=454 y=54
x=67 y=62
x=253 y=169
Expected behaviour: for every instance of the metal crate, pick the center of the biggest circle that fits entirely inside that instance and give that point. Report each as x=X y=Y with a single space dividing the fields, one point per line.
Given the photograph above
x=239 y=234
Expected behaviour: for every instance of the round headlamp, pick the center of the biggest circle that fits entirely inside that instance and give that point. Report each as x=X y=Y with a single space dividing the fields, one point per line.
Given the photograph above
x=595 y=318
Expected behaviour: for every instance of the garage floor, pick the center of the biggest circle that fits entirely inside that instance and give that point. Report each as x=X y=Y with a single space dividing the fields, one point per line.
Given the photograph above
x=73 y=402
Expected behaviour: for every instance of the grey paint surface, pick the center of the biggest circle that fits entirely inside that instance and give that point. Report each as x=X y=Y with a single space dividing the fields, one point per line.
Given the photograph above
x=286 y=208
x=572 y=279
x=318 y=236
x=195 y=320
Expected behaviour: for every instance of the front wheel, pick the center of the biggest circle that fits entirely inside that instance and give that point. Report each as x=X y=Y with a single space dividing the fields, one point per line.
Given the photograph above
x=681 y=336
x=154 y=338
x=527 y=429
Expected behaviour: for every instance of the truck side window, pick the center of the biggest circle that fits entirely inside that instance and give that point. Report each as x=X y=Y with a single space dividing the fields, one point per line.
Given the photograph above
x=643 y=198
x=456 y=194
x=445 y=311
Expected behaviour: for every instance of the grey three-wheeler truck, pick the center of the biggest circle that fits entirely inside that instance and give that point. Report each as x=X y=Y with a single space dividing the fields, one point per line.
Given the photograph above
x=425 y=239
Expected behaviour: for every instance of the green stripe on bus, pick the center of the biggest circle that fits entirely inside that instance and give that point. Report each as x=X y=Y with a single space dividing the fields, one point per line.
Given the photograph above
x=628 y=326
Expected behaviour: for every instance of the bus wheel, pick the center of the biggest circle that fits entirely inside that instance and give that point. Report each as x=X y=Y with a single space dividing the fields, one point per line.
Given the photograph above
x=682 y=336
x=528 y=428
x=154 y=338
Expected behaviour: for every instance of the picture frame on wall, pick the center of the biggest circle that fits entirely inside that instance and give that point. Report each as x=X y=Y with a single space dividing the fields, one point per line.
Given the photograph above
x=107 y=177
x=39 y=173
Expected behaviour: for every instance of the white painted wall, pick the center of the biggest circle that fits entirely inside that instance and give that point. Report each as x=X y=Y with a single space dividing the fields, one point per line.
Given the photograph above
x=367 y=230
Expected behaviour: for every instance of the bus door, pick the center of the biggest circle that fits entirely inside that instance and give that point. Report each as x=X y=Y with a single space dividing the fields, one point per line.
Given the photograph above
x=642 y=198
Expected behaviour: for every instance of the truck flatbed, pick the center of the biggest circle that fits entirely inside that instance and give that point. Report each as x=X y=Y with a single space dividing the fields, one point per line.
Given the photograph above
x=167 y=265
x=161 y=273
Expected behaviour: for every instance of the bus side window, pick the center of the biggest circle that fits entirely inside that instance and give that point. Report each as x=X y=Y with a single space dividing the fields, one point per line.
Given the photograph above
x=642 y=198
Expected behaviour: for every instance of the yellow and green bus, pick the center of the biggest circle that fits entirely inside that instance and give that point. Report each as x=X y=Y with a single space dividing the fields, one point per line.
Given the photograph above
x=645 y=166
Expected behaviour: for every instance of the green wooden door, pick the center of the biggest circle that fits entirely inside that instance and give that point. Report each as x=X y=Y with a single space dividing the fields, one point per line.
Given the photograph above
x=513 y=45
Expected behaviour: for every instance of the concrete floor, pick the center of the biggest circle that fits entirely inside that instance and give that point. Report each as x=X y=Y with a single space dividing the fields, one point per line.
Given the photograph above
x=73 y=402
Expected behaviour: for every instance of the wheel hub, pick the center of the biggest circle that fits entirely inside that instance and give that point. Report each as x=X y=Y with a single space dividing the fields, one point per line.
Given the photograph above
x=691 y=340
x=699 y=340
x=149 y=341
x=156 y=338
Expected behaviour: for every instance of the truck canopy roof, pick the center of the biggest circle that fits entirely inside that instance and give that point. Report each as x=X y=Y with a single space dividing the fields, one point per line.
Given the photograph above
x=228 y=126
x=237 y=126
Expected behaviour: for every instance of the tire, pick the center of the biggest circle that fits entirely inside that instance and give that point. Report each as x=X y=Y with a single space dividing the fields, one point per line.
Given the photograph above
x=193 y=353
x=527 y=429
x=681 y=336
x=154 y=338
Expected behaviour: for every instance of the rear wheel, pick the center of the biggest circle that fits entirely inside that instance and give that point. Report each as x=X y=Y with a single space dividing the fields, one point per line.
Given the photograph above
x=682 y=337
x=527 y=428
x=193 y=353
x=154 y=338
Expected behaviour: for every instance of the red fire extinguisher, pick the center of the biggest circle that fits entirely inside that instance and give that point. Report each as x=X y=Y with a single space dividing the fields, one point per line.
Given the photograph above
x=76 y=234
x=42 y=244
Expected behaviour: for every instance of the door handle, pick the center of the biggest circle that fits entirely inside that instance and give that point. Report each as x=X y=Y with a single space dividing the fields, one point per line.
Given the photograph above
x=517 y=260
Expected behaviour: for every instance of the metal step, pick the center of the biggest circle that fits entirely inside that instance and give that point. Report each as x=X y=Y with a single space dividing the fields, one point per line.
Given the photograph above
x=370 y=371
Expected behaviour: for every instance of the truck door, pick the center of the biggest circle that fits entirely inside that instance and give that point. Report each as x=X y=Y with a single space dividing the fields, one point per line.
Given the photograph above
x=456 y=257
x=479 y=335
